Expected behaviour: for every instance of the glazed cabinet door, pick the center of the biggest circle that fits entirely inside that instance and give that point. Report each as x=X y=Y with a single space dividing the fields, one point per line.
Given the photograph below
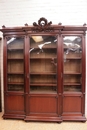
x=43 y=79
x=14 y=75
x=73 y=76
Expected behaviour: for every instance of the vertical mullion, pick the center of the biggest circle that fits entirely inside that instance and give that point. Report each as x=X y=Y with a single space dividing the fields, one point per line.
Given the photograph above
x=26 y=61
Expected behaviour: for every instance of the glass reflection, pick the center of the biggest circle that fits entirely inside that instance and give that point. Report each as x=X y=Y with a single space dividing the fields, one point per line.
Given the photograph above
x=15 y=63
x=72 y=67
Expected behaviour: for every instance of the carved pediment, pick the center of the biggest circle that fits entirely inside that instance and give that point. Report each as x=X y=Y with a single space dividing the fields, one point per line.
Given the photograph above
x=43 y=25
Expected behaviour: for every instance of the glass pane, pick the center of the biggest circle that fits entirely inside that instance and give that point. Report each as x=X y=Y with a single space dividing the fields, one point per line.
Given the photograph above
x=15 y=63
x=72 y=66
x=43 y=62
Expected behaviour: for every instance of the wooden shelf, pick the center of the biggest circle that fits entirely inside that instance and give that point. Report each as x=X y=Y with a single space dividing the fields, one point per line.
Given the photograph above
x=72 y=90
x=14 y=83
x=15 y=59
x=14 y=73
x=73 y=58
x=17 y=89
x=35 y=48
x=43 y=92
x=72 y=84
x=15 y=49
x=80 y=48
x=43 y=73
x=48 y=58
x=72 y=73
x=43 y=84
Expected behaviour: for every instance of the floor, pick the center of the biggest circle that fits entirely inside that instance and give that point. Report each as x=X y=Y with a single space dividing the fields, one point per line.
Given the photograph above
x=22 y=125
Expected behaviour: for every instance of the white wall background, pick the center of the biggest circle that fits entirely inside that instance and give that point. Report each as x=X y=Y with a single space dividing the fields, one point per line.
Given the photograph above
x=19 y=12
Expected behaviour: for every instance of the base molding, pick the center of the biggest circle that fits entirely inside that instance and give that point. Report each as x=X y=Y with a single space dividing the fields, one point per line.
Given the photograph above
x=45 y=118
x=13 y=116
x=74 y=118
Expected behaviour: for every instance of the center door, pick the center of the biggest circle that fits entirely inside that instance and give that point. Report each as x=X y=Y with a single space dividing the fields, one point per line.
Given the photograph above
x=43 y=85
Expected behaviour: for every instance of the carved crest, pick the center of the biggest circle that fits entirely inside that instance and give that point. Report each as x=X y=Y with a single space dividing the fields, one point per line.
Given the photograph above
x=43 y=25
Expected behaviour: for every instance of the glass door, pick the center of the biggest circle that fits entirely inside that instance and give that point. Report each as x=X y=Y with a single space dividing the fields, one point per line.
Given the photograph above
x=72 y=63
x=43 y=64
x=15 y=64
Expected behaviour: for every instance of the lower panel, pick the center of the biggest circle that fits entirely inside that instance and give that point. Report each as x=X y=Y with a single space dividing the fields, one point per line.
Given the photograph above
x=72 y=104
x=43 y=105
x=44 y=108
x=14 y=104
x=73 y=109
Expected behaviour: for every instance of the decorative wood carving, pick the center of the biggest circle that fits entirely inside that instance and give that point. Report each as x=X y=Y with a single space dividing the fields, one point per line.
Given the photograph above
x=59 y=23
x=3 y=26
x=84 y=24
x=43 y=25
x=26 y=24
